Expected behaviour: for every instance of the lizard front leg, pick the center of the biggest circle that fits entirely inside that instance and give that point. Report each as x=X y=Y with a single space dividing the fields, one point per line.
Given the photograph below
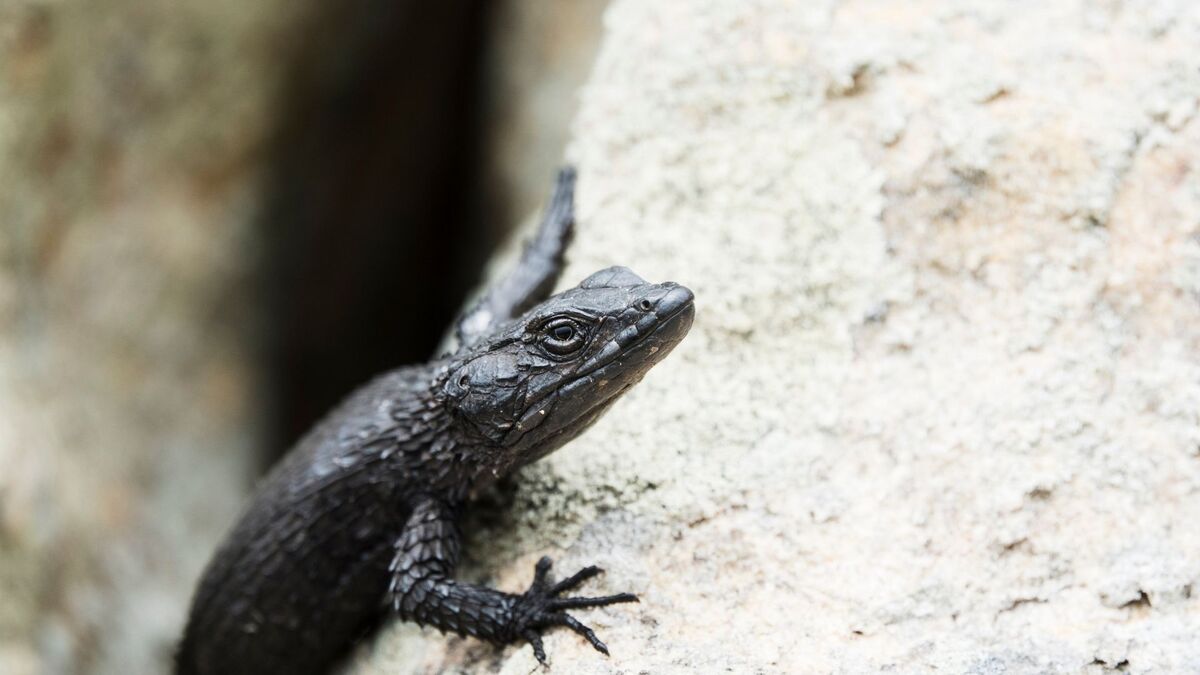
x=423 y=590
x=535 y=274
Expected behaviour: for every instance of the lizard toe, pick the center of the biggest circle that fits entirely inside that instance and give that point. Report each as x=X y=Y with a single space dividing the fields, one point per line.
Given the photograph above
x=575 y=579
x=579 y=603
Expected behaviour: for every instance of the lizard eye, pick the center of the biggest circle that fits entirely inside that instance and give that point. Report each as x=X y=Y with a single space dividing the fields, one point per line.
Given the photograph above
x=562 y=336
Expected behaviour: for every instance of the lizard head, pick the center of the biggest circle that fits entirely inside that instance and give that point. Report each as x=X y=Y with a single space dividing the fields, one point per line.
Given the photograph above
x=544 y=378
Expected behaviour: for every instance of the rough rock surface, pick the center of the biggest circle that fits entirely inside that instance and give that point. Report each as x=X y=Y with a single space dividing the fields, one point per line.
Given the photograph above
x=941 y=405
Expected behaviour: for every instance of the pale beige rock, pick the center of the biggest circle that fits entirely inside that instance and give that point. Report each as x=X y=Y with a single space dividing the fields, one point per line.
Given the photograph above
x=941 y=405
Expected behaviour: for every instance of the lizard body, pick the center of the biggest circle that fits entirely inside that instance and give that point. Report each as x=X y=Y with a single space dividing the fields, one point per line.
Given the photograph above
x=361 y=515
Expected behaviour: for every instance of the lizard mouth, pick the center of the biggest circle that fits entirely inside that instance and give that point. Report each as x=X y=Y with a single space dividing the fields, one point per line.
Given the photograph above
x=619 y=365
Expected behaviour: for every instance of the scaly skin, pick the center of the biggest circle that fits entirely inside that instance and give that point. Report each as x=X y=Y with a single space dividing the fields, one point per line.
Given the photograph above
x=360 y=517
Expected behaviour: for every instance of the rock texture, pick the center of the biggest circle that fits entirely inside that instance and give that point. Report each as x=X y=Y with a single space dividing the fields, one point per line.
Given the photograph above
x=941 y=405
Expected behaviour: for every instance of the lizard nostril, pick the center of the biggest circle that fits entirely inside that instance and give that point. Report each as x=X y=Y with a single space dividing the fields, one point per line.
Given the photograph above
x=645 y=305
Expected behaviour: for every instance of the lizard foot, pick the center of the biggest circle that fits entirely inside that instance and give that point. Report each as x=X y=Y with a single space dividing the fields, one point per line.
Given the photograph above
x=540 y=607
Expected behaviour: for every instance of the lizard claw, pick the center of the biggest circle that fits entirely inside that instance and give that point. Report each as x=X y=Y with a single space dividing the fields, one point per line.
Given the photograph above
x=540 y=607
x=535 y=641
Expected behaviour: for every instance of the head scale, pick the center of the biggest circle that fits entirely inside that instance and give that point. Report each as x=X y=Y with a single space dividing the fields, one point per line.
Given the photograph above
x=541 y=380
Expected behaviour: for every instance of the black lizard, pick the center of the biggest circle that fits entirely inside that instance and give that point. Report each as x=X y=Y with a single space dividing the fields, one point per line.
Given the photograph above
x=361 y=515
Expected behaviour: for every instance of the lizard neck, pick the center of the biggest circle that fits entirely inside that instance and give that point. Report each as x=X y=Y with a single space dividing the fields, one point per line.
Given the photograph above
x=441 y=452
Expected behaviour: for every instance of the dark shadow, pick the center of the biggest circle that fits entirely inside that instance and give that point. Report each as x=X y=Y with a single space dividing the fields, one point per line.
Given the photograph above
x=373 y=228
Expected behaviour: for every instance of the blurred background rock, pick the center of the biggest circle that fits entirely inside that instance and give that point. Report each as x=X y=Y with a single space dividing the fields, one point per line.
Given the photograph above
x=217 y=217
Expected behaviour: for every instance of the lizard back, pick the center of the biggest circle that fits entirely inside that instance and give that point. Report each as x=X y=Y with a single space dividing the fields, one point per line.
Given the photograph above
x=307 y=565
